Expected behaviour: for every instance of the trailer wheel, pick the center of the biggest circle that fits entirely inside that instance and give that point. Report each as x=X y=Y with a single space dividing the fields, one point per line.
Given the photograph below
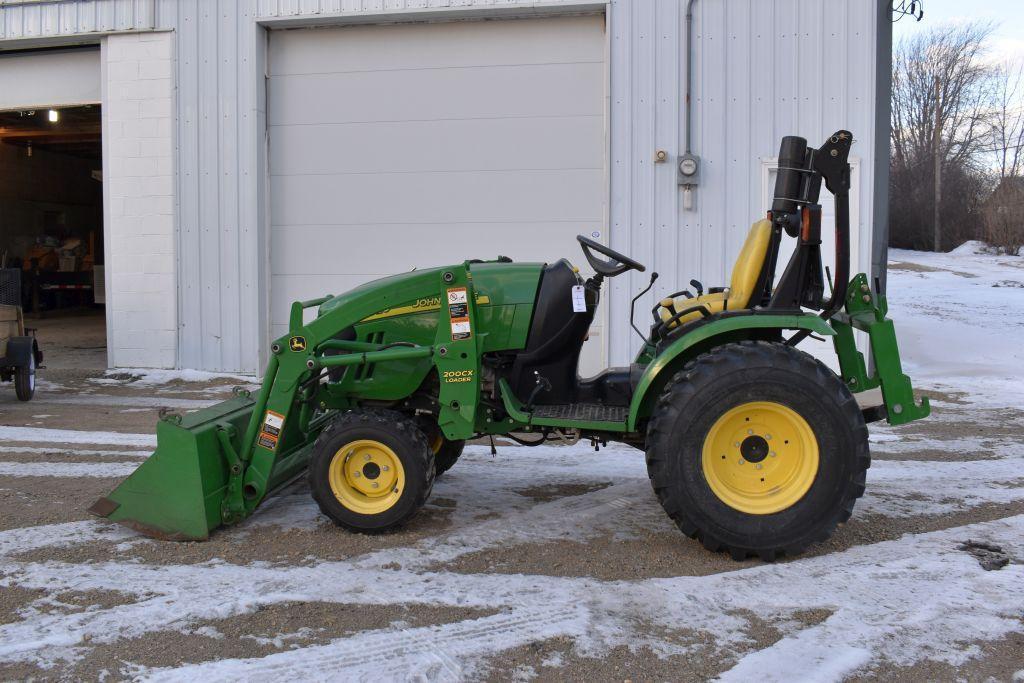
x=446 y=452
x=757 y=449
x=25 y=379
x=371 y=470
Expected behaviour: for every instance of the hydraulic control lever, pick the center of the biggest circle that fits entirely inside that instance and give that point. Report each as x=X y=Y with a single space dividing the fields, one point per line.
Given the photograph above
x=542 y=384
x=632 y=306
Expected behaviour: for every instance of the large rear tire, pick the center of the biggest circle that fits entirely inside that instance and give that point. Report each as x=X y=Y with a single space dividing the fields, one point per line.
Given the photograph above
x=758 y=449
x=371 y=470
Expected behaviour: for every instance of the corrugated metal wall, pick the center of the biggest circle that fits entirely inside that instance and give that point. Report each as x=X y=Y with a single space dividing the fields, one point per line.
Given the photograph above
x=219 y=128
x=20 y=19
x=763 y=69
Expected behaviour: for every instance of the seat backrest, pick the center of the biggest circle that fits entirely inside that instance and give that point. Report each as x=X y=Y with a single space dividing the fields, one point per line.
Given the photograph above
x=749 y=264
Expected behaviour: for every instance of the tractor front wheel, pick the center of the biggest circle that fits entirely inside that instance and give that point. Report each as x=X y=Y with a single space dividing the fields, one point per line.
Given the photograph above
x=758 y=449
x=371 y=470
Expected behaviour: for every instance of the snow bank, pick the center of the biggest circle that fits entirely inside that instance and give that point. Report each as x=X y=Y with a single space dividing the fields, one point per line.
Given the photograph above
x=971 y=248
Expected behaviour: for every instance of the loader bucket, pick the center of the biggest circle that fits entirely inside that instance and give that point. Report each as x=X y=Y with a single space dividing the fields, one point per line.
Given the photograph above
x=177 y=493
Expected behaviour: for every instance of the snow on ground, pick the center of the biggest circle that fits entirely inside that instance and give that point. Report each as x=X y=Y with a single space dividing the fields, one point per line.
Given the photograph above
x=960 y=321
x=151 y=377
x=67 y=469
x=80 y=453
x=133 y=402
x=915 y=597
x=41 y=435
x=911 y=583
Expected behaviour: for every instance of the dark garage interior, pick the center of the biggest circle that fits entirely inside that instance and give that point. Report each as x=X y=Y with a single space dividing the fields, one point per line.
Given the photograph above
x=51 y=225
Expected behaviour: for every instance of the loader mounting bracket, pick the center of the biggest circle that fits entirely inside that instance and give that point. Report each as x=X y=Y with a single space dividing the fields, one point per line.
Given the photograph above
x=866 y=309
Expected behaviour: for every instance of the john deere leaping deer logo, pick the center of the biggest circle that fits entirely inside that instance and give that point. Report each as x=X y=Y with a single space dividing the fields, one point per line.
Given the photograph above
x=297 y=344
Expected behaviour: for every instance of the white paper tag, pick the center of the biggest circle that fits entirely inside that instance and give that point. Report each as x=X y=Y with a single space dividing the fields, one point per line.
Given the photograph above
x=579 y=300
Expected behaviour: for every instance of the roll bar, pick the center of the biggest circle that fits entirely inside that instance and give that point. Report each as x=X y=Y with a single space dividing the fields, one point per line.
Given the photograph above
x=795 y=209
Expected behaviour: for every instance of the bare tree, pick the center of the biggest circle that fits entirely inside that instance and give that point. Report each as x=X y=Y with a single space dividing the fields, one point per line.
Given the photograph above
x=1008 y=121
x=942 y=104
x=1004 y=215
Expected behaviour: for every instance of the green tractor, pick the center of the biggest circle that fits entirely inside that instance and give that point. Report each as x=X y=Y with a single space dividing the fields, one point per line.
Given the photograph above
x=752 y=445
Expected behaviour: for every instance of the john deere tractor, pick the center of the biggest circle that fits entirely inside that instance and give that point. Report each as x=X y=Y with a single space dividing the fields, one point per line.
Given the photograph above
x=752 y=445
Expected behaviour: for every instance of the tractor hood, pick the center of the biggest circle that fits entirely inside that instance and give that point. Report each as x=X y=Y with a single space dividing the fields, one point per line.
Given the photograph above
x=496 y=284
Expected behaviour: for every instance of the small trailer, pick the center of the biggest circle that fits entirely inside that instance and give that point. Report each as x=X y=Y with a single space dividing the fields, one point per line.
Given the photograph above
x=19 y=352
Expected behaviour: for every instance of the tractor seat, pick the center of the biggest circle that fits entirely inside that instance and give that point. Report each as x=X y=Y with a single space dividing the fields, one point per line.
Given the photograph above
x=737 y=295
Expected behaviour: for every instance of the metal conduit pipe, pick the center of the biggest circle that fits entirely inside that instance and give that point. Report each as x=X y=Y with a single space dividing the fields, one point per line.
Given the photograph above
x=689 y=73
x=689 y=163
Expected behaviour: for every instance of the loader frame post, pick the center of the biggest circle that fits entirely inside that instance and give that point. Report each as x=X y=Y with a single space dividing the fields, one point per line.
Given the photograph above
x=458 y=354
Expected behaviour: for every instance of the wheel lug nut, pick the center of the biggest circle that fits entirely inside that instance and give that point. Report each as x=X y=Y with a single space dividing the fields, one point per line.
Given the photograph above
x=757 y=466
x=767 y=437
x=356 y=475
x=750 y=431
x=740 y=461
x=367 y=457
x=737 y=444
x=374 y=484
x=771 y=453
x=384 y=468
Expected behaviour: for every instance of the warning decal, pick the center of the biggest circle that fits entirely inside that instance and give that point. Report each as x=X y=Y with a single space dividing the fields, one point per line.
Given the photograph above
x=273 y=423
x=458 y=311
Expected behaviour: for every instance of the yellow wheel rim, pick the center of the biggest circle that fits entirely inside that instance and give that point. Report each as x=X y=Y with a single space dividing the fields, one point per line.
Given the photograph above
x=366 y=477
x=760 y=457
x=435 y=445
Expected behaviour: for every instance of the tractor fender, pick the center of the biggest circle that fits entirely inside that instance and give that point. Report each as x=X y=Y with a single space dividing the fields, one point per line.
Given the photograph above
x=19 y=352
x=702 y=339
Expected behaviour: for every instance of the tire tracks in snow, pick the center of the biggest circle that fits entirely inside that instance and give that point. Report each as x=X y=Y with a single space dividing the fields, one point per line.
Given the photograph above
x=898 y=601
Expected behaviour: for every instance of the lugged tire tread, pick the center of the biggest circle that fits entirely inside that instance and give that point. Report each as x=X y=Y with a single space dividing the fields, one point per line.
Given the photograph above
x=385 y=420
x=739 y=357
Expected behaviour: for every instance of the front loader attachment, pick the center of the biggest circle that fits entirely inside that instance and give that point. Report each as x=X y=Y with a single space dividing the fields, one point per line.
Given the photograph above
x=215 y=466
x=180 y=492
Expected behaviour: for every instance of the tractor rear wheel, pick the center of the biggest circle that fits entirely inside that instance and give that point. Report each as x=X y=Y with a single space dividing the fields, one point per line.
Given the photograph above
x=758 y=449
x=371 y=470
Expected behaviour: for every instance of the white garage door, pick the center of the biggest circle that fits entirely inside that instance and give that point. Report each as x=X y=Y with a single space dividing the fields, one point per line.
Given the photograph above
x=49 y=78
x=396 y=147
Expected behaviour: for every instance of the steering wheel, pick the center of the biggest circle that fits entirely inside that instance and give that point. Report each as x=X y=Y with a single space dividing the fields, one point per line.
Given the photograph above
x=618 y=264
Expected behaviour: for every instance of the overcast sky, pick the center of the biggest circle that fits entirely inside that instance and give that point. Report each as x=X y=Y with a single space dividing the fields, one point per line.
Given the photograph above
x=1007 y=15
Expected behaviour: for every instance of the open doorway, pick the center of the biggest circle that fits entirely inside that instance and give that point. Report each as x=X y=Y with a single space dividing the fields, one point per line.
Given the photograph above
x=51 y=228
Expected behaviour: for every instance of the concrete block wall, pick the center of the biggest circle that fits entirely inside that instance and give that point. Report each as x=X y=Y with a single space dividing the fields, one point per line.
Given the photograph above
x=138 y=122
